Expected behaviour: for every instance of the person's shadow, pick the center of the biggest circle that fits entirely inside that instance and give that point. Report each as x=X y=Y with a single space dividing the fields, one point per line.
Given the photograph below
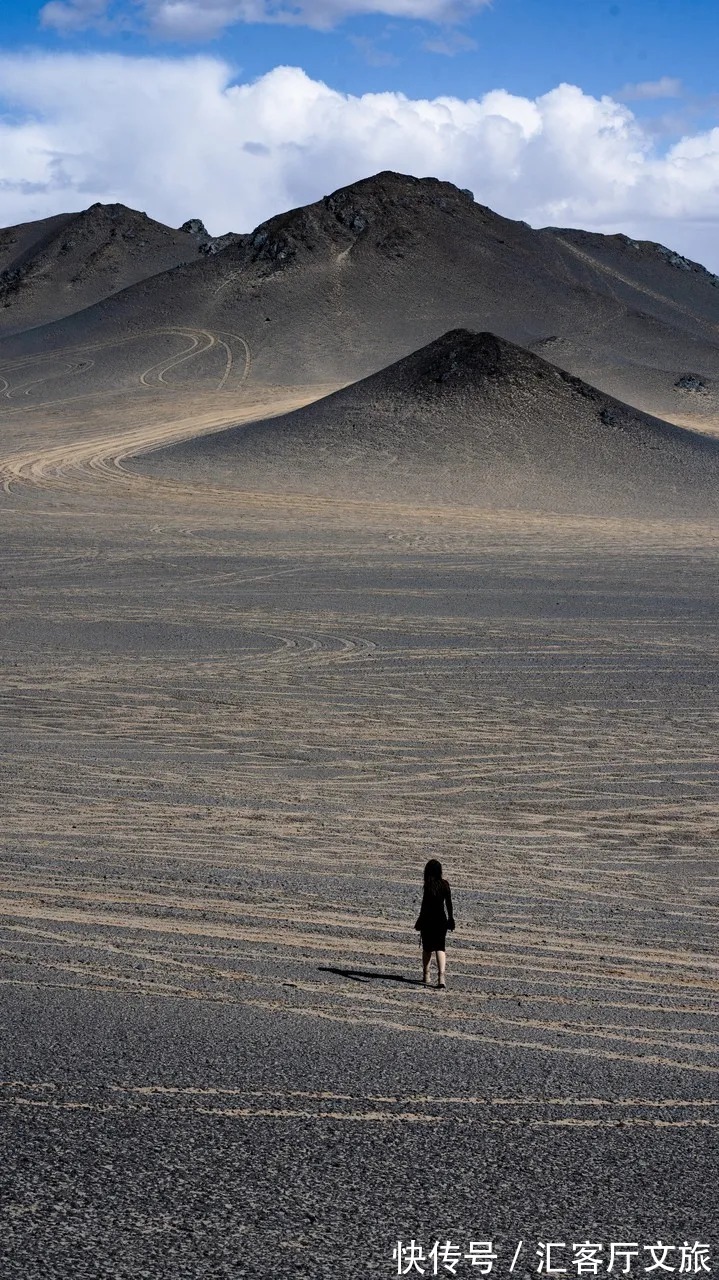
x=370 y=975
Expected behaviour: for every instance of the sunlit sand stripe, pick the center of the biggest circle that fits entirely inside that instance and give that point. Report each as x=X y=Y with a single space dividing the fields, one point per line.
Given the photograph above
x=372 y=1108
x=125 y=949
x=475 y=1100
x=611 y=951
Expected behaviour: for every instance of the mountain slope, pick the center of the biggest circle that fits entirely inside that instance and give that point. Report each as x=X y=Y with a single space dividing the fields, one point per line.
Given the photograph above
x=469 y=418
x=336 y=290
x=52 y=268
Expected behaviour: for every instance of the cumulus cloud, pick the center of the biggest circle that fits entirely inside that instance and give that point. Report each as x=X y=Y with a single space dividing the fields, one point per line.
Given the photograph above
x=648 y=90
x=180 y=138
x=204 y=19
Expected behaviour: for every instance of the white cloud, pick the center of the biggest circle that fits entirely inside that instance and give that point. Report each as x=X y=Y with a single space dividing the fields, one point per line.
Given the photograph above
x=179 y=138
x=74 y=15
x=451 y=43
x=204 y=19
x=646 y=90
x=372 y=52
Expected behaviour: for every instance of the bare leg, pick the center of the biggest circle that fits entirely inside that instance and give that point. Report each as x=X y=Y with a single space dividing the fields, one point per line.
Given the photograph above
x=441 y=967
x=426 y=962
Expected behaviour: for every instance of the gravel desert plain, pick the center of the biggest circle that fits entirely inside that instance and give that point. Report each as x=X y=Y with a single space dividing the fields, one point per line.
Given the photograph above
x=385 y=532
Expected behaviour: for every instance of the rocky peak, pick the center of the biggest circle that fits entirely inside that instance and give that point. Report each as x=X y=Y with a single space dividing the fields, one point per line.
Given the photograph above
x=195 y=227
x=388 y=207
x=207 y=244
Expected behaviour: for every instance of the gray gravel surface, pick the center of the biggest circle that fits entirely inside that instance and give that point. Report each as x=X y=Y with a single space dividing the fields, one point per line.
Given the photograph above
x=234 y=727
x=104 y=1181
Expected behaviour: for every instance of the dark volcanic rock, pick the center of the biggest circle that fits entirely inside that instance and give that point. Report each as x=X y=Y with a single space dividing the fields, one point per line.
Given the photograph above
x=53 y=268
x=690 y=382
x=377 y=269
x=196 y=227
x=207 y=244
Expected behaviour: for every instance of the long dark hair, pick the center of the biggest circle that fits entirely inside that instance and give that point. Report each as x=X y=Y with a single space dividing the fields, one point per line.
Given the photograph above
x=434 y=882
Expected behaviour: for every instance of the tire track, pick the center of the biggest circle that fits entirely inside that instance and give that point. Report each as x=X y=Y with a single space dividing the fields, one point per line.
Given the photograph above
x=70 y=370
x=164 y=366
x=201 y=342
x=103 y=455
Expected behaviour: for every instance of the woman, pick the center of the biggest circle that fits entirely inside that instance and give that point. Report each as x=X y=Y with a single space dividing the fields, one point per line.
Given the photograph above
x=432 y=922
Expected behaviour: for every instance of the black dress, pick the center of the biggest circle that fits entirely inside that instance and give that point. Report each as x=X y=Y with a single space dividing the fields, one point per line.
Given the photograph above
x=432 y=921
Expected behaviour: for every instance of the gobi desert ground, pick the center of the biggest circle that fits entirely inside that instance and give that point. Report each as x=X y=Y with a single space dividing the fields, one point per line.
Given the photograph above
x=254 y=676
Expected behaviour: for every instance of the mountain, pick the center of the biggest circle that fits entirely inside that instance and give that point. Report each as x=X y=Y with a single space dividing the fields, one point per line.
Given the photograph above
x=51 y=268
x=205 y=242
x=470 y=418
x=336 y=290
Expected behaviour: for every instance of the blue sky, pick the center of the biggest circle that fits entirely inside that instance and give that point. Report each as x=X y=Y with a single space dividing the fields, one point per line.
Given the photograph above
x=99 y=97
x=525 y=46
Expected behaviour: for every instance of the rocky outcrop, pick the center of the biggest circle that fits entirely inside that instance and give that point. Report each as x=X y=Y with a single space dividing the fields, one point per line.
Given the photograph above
x=207 y=244
x=690 y=382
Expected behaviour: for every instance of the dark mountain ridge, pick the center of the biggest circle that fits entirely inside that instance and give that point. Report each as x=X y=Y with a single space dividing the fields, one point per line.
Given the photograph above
x=337 y=289
x=60 y=265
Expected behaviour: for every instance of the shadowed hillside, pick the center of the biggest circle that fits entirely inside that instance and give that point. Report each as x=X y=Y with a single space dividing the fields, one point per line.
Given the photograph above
x=336 y=290
x=470 y=418
x=60 y=265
